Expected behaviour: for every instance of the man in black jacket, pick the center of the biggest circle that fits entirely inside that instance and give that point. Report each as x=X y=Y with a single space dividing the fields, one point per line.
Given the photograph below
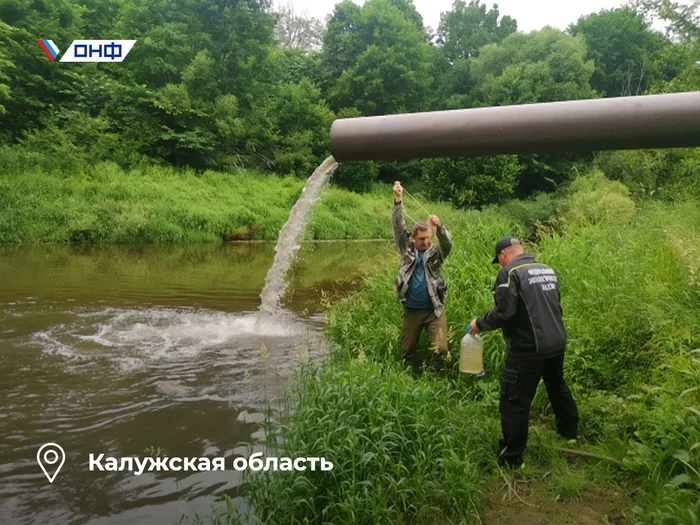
x=528 y=309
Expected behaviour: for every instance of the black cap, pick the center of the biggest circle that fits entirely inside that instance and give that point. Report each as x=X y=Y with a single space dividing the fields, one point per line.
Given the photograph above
x=502 y=244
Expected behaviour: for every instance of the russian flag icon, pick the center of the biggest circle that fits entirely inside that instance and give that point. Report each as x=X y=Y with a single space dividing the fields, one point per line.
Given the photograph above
x=49 y=48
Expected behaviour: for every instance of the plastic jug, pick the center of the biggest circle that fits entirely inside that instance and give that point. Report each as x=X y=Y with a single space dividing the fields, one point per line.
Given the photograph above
x=471 y=357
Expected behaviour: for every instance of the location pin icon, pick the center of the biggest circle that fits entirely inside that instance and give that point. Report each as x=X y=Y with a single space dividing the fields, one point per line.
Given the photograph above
x=49 y=458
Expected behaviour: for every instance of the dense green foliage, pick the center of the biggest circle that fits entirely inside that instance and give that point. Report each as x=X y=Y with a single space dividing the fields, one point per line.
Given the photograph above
x=421 y=450
x=665 y=174
x=469 y=26
x=624 y=65
x=379 y=426
x=378 y=59
x=472 y=182
x=235 y=85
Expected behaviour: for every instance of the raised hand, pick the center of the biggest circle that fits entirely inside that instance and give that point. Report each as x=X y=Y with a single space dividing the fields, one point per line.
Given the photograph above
x=398 y=191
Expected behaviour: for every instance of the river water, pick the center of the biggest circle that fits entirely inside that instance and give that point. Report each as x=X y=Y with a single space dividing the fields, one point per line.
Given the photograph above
x=149 y=351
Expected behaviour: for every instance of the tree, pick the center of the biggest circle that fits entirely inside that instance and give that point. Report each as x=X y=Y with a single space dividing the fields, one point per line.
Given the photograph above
x=680 y=61
x=291 y=65
x=472 y=182
x=469 y=26
x=36 y=85
x=6 y=65
x=289 y=128
x=341 y=42
x=295 y=31
x=455 y=86
x=462 y=33
x=99 y=17
x=625 y=51
x=376 y=60
x=197 y=70
x=238 y=35
x=542 y=66
x=682 y=19
x=409 y=11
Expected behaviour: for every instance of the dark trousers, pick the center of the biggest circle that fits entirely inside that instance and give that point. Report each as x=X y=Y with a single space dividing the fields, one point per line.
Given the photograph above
x=518 y=386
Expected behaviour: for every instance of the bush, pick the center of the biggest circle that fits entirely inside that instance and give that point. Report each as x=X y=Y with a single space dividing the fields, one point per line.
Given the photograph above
x=639 y=170
x=72 y=140
x=594 y=199
x=355 y=176
x=668 y=174
x=532 y=214
x=472 y=182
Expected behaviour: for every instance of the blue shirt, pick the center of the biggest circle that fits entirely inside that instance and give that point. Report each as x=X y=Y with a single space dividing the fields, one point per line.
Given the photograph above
x=417 y=295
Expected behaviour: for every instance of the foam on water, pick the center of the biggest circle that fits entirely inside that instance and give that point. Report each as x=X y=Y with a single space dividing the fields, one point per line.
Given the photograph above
x=128 y=336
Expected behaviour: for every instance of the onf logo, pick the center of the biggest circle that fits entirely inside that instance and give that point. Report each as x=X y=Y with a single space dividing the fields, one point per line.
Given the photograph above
x=89 y=50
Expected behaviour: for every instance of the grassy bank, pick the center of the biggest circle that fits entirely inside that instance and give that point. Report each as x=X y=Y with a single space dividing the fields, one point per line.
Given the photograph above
x=421 y=450
x=104 y=204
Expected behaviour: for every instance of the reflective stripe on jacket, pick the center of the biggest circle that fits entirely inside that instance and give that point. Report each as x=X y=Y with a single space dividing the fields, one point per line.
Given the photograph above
x=528 y=308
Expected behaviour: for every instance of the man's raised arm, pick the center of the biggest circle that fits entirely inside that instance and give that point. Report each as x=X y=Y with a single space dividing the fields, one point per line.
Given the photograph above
x=401 y=233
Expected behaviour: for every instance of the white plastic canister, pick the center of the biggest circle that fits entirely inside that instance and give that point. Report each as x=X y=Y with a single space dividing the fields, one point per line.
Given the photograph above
x=471 y=357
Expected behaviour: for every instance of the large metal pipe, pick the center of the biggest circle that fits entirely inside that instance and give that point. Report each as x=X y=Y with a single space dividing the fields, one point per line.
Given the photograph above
x=650 y=121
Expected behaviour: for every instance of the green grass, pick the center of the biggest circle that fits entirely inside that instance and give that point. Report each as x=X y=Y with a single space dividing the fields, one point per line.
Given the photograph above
x=378 y=426
x=107 y=205
x=44 y=203
x=421 y=450
x=154 y=204
x=410 y=450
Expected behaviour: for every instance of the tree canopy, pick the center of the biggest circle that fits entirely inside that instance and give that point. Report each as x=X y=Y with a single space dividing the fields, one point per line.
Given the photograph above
x=226 y=85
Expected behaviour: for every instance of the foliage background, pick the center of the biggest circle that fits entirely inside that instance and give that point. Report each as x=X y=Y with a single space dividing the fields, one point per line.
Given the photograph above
x=228 y=86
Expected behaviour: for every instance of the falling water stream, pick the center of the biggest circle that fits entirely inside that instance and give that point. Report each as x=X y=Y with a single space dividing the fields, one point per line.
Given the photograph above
x=137 y=351
x=290 y=237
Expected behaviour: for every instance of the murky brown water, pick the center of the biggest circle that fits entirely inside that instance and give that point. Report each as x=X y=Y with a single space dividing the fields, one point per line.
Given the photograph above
x=143 y=351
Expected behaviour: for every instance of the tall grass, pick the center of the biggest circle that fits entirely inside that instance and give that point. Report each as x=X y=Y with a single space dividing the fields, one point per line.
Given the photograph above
x=44 y=201
x=410 y=450
x=104 y=204
x=378 y=427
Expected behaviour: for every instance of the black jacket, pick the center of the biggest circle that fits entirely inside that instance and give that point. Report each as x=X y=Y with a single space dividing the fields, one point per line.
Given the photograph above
x=528 y=308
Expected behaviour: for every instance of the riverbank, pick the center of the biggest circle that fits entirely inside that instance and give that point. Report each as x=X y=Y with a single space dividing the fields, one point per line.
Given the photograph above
x=422 y=450
x=101 y=203
x=107 y=205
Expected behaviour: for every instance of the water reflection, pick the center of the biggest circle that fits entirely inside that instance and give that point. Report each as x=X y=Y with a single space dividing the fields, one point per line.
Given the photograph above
x=142 y=351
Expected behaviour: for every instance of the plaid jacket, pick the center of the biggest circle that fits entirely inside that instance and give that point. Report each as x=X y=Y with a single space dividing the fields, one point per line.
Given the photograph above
x=433 y=258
